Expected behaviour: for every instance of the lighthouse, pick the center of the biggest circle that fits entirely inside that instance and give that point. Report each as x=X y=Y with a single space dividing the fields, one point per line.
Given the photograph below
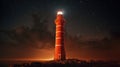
x=59 y=39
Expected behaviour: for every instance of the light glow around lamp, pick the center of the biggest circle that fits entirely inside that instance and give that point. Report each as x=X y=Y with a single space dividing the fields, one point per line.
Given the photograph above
x=59 y=13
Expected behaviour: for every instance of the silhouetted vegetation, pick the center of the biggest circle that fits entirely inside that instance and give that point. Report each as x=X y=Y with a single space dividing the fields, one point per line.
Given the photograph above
x=67 y=63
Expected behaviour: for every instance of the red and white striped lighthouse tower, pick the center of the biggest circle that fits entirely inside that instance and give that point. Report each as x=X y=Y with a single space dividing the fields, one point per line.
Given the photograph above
x=59 y=40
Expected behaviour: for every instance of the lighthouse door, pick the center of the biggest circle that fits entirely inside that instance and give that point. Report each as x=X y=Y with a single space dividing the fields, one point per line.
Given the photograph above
x=59 y=56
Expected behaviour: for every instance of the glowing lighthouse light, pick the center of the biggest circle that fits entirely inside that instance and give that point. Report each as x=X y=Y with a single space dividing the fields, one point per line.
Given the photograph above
x=59 y=13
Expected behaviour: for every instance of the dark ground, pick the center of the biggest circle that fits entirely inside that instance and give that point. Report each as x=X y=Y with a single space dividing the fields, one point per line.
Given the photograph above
x=65 y=63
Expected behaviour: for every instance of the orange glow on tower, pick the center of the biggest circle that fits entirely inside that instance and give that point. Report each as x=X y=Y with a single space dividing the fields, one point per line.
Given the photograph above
x=59 y=43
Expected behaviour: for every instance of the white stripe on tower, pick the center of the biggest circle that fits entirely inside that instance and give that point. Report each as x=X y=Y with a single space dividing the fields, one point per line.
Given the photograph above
x=58 y=25
x=58 y=37
x=58 y=45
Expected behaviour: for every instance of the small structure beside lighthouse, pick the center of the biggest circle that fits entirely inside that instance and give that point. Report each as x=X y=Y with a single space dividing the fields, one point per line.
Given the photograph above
x=59 y=39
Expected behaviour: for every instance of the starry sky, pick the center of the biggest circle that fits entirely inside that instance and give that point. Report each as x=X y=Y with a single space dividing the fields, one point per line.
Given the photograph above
x=92 y=29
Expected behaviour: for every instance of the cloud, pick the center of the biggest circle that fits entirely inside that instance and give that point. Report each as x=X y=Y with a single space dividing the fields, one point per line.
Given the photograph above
x=37 y=36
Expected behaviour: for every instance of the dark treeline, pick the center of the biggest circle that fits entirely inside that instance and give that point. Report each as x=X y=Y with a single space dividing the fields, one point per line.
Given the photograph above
x=67 y=63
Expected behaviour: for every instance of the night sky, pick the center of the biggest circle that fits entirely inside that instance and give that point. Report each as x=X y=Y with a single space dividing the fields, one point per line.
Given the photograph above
x=92 y=29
